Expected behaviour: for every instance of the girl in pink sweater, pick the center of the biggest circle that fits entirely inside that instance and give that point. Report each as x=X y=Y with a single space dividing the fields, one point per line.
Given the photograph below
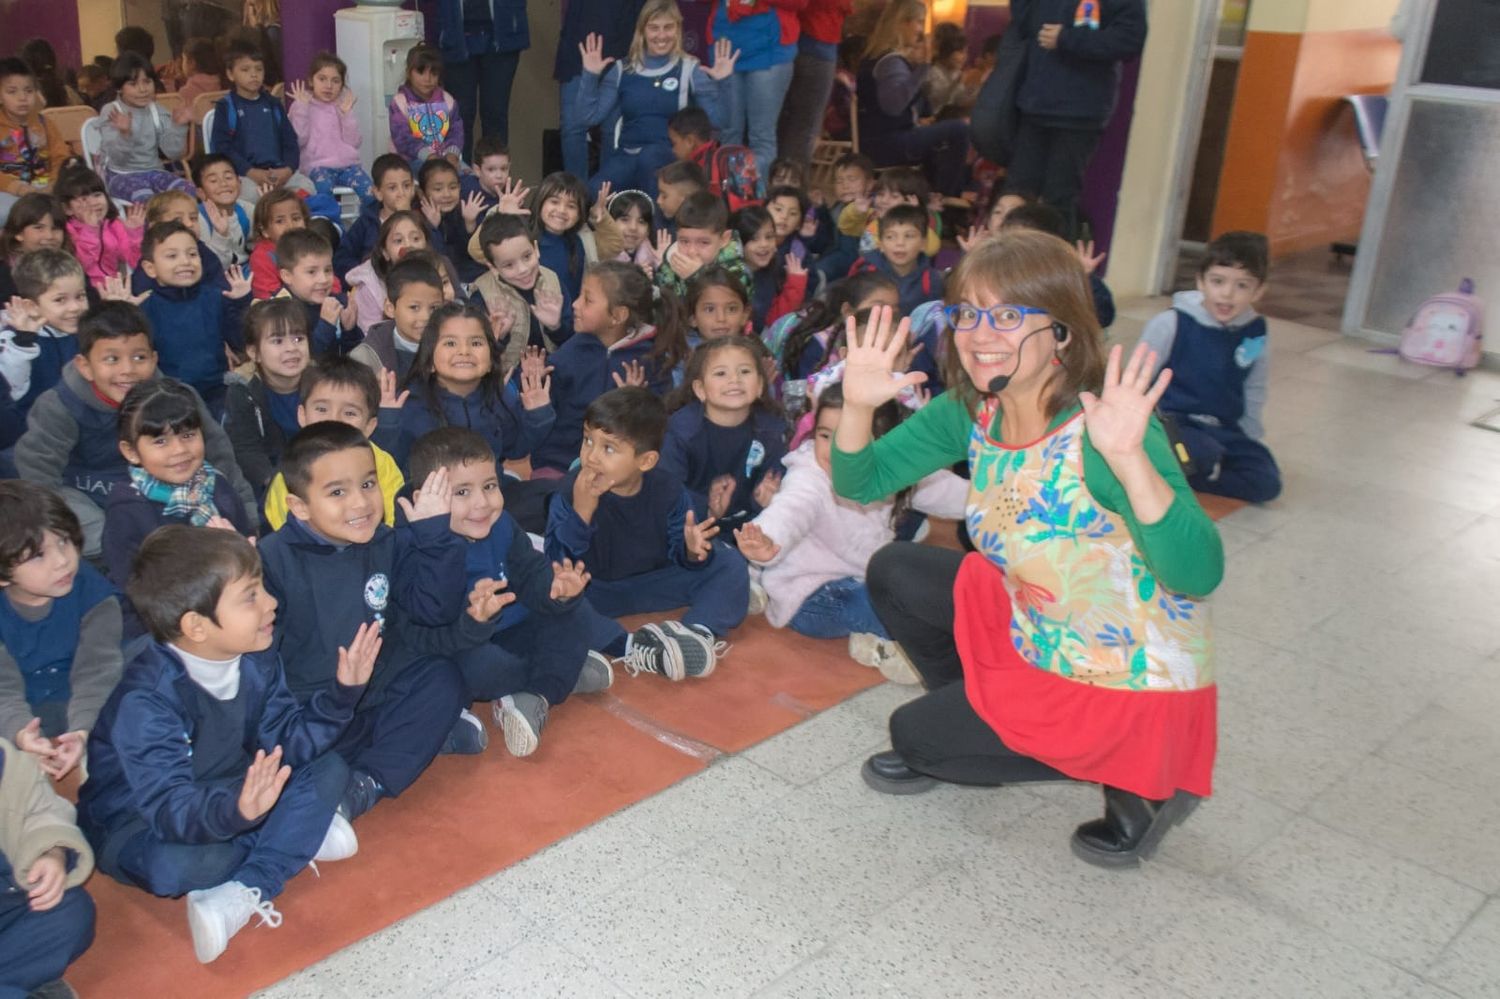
x=105 y=245
x=812 y=545
x=327 y=131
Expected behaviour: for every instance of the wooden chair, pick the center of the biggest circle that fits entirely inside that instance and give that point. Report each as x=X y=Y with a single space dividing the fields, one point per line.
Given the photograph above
x=826 y=152
x=69 y=123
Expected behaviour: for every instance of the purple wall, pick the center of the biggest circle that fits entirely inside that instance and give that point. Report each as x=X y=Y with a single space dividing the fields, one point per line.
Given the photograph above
x=306 y=30
x=56 y=22
x=1101 y=185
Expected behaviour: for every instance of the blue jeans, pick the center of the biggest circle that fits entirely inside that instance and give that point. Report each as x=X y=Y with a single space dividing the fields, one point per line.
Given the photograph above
x=575 y=131
x=353 y=177
x=264 y=857
x=716 y=596
x=482 y=83
x=39 y=946
x=838 y=608
x=752 y=108
x=633 y=171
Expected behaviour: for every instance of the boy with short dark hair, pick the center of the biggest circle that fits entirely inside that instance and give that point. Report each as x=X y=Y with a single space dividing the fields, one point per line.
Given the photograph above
x=632 y=524
x=1045 y=218
x=252 y=128
x=71 y=444
x=516 y=280
x=223 y=219
x=395 y=191
x=193 y=320
x=60 y=630
x=703 y=238
x=491 y=171
x=334 y=566
x=1215 y=343
x=675 y=183
x=413 y=290
x=304 y=261
x=38 y=339
x=899 y=256
x=731 y=171
x=538 y=653
x=206 y=777
x=347 y=391
x=895 y=186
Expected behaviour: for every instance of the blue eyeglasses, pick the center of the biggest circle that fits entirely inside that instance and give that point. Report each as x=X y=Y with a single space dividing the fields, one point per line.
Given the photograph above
x=964 y=317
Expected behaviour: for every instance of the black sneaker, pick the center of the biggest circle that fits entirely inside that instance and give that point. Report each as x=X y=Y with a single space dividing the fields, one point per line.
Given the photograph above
x=360 y=795
x=467 y=736
x=596 y=674
x=653 y=651
x=700 y=649
x=521 y=717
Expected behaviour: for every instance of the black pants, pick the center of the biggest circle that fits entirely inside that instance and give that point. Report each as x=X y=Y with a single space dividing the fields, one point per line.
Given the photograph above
x=938 y=734
x=1049 y=163
x=481 y=86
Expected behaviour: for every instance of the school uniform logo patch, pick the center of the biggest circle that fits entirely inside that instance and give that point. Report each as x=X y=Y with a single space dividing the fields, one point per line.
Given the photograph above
x=669 y=84
x=377 y=592
x=753 y=459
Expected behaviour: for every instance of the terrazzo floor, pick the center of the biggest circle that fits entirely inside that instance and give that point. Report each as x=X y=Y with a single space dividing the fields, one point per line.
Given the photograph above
x=1350 y=849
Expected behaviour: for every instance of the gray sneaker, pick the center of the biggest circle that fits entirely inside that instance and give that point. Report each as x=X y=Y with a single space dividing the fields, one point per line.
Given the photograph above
x=521 y=717
x=701 y=651
x=653 y=651
x=596 y=675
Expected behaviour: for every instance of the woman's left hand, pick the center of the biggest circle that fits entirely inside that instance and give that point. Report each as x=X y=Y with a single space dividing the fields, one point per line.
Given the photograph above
x=1116 y=419
x=725 y=56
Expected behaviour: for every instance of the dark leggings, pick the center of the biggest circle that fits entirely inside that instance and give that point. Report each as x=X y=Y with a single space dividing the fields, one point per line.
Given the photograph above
x=938 y=734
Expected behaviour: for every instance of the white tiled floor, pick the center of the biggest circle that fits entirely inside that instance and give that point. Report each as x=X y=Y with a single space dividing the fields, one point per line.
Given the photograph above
x=1351 y=849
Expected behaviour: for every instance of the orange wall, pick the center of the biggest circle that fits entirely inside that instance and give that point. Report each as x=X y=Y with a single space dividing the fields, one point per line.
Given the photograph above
x=1292 y=166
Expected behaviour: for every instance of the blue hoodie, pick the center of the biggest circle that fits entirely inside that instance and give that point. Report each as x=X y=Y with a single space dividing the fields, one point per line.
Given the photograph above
x=583 y=370
x=691 y=455
x=1078 y=82
x=189 y=329
x=512 y=430
x=628 y=535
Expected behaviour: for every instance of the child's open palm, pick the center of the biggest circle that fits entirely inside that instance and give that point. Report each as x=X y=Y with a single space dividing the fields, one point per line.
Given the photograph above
x=513 y=198
x=488 y=598
x=357 y=662
x=47 y=879
x=430 y=211
x=218 y=218
x=634 y=374
x=120 y=120
x=536 y=381
x=568 y=579
x=870 y=360
x=347 y=100
x=471 y=209
x=548 y=308
x=698 y=538
x=135 y=216
x=1087 y=257
x=115 y=289
x=239 y=282
x=389 y=398
x=264 y=780
x=434 y=499
x=1117 y=418
x=794 y=265
x=299 y=92
x=755 y=544
x=21 y=316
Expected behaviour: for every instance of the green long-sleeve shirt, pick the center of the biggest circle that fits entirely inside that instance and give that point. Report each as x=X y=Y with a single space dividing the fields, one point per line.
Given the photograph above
x=1182 y=549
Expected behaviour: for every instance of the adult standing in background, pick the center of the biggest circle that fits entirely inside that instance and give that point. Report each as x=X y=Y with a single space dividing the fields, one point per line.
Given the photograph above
x=481 y=42
x=822 y=25
x=764 y=32
x=1068 y=92
x=612 y=20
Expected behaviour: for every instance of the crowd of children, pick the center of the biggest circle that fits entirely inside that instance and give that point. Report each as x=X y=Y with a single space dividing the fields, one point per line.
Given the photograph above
x=284 y=498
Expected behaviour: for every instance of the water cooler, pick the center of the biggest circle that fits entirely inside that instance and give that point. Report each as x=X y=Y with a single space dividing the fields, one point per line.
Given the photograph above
x=373 y=41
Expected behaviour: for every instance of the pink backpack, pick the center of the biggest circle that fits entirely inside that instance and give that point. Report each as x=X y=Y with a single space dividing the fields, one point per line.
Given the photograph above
x=1447 y=331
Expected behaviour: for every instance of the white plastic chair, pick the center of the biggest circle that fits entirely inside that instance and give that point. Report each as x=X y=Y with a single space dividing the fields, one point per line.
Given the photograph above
x=91 y=139
x=208 y=130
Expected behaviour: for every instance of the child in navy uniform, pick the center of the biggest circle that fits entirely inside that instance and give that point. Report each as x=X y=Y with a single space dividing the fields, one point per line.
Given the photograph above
x=903 y=229
x=59 y=630
x=251 y=127
x=413 y=291
x=46 y=918
x=206 y=777
x=1215 y=344
x=305 y=263
x=539 y=652
x=632 y=525
x=334 y=566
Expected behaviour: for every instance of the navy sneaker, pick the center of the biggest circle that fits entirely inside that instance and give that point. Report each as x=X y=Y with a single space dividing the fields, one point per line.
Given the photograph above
x=467 y=737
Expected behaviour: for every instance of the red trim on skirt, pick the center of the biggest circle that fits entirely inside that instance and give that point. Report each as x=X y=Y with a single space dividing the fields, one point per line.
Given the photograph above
x=1151 y=743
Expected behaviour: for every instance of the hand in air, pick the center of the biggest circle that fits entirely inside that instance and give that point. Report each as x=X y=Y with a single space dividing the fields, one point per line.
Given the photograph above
x=389 y=397
x=634 y=375
x=513 y=198
x=755 y=545
x=357 y=661
x=1087 y=257
x=488 y=598
x=699 y=538
x=601 y=203
x=264 y=780
x=434 y=499
x=1117 y=418
x=725 y=56
x=568 y=579
x=871 y=358
x=548 y=309
x=299 y=92
x=239 y=282
x=592 y=51
x=135 y=216
x=115 y=289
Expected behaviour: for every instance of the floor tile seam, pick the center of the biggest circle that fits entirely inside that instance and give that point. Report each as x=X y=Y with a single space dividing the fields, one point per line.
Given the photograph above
x=1453 y=941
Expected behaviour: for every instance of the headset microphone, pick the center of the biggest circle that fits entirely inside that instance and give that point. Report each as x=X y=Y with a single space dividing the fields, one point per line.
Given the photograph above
x=999 y=382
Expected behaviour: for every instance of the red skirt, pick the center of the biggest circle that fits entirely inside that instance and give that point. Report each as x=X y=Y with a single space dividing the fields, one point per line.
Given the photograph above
x=1151 y=743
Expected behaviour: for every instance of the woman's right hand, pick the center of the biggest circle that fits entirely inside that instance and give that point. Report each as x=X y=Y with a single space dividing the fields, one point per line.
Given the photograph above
x=594 y=59
x=870 y=361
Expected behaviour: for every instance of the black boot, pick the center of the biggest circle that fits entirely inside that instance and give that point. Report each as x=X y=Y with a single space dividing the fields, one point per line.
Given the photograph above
x=888 y=773
x=1131 y=829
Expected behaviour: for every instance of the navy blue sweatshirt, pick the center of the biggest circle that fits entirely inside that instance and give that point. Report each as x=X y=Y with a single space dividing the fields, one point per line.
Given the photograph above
x=359 y=240
x=1078 y=82
x=697 y=452
x=254 y=134
x=512 y=430
x=628 y=535
x=190 y=327
x=583 y=370
x=508 y=554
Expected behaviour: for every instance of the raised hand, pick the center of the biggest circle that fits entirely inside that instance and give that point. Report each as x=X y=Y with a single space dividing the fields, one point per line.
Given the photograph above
x=663 y=244
x=348 y=315
x=135 y=216
x=357 y=662
x=536 y=383
x=601 y=203
x=871 y=359
x=115 y=289
x=264 y=780
x=766 y=489
x=471 y=208
x=548 y=308
x=725 y=56
x=635 y=374
x=21 y=316
x=568 y=579
x=720 y=492
x=120 y=120
x=1087 y=257
x=863 y=205
x=218 y=218
x=755 y=545
x=488 y=598
x=1116 y=419
x=67 y=753
x=331 y=310
x=698 y=538
x=300 y=93
x=430 y=211
x=592 y=51
x=501 y=322
x=182 y=114
x=513 y=198
x=239 y=281
x=794 y=264
x=434 y=499
x=47 y=879
x=976 y=235
x=347 y=100
x=264 y=187
x=389 y=397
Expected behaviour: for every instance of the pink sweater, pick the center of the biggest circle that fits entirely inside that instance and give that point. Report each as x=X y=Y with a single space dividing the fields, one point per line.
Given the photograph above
x=367 y=291
x=824 y=536
x=104 y=249
x=327 y=136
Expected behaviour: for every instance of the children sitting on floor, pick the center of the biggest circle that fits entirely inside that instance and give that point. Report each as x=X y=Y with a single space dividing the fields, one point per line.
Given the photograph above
x=491 y=173
x=524 y=298
x=899 y=256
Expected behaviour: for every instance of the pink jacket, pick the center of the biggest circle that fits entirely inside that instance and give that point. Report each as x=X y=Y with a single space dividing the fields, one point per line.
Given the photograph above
x=824 y=536
x=367 y=291
x=105 y=250
x=327 y=136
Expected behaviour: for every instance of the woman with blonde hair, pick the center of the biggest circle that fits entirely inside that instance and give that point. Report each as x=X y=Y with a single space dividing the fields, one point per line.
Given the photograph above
x=889 y=89
x=656 y=79
x=1074 y=644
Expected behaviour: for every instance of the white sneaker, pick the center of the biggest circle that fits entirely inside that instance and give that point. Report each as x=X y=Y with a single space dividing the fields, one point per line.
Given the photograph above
x=339 y=842
x=758 y=597
x=885 y=655
x=218 y=913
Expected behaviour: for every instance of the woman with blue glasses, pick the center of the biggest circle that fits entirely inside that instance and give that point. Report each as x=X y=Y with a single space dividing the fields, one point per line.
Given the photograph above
x=1074 y=643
